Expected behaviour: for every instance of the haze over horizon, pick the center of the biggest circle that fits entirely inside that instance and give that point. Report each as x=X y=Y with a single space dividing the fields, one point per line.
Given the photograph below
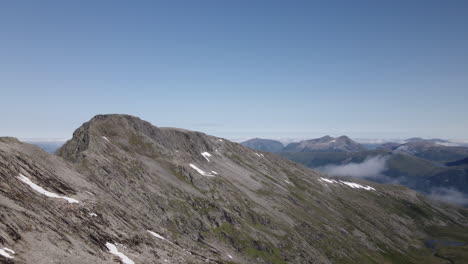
x=238 y=69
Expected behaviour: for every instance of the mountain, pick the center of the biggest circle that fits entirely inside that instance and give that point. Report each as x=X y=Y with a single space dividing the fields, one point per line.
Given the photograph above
x=326 y=143
x=267 y=145
x=386 y=166
x=432 y=151
x=123 y=190
x=432 y=140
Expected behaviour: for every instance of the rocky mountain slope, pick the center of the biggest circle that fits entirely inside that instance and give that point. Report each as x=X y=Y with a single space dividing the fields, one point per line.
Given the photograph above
x=122 y=190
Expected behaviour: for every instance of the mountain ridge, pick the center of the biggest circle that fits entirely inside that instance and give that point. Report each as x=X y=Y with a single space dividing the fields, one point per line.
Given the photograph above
x=237 y=206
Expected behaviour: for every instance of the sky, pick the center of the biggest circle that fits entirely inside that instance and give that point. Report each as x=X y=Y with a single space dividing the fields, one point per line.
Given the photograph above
x=237 y=69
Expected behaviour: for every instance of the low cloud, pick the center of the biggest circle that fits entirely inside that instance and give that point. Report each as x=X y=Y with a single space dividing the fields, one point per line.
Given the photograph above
x=370 y=168
x=449 y=195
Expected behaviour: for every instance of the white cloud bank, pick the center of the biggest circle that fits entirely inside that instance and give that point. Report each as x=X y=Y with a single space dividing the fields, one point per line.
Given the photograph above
x=369 y=168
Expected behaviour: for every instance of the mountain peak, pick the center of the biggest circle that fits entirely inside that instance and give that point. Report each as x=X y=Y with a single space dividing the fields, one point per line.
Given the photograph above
x=109 y=133
x=267 y=145
x=326 y=143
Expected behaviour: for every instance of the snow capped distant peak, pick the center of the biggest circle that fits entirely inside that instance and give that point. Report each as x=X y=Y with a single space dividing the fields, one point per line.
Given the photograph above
x=113 y=250
x=39 y=189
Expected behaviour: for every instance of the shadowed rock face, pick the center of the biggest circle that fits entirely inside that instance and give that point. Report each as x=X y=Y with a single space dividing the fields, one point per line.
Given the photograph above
x=232 y=205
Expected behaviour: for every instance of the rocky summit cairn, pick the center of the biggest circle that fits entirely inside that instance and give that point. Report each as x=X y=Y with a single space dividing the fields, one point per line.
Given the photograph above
x=123 y=190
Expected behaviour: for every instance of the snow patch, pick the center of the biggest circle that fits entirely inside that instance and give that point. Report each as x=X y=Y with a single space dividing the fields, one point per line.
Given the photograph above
x=92 y=214
x=230 y=256
x=113 y=250
x=6 y=252
x=328 y=180
x=350 y=184
x=206 y=155
x=357 y=186
x=39 y=189
x=156 y=235
x=214 y=172
x=200 y=171
x=105 y=138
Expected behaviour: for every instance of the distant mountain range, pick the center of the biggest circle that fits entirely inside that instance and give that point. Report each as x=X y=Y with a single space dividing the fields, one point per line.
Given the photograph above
x=267 y=145
x=425 y=165
x=326 y=143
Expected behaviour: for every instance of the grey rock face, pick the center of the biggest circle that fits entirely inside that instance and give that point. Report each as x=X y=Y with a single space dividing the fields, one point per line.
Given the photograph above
x=204 y=199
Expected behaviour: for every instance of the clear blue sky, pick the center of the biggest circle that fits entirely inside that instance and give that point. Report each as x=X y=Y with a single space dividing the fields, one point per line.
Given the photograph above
x=381 y=69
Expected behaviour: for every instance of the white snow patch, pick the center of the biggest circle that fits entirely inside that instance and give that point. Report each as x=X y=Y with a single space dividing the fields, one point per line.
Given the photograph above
x=156 y=235
x=328 y=180
x=201 y=171
x=357 y=186
x=288 y=182
x=105 y=138
x=257 y=154
x=261 y=155
x=4 y=252
x=90 y=193
x=206 y=155
x=113 y=250
x=39 y=189
x=220 y=139
x=92 y=214
x=214 y=172
x=350 y=184
x=230 y=256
